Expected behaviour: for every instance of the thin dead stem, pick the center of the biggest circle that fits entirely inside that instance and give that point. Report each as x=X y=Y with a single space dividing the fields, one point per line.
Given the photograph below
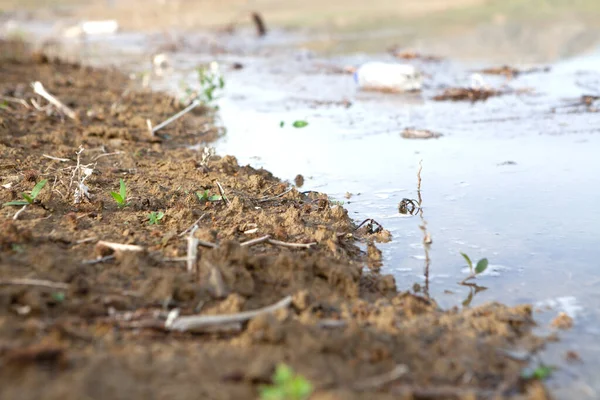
x=201 y=322
x=381 y=380
x=39 y=89
x=426 y=236
x=222 y=193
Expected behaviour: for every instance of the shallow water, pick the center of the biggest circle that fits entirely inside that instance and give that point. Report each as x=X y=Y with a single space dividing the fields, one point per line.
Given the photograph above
x=536 y=218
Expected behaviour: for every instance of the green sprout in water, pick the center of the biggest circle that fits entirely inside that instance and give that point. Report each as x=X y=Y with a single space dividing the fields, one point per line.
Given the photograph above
x=29 y=198
x=154 y=217
x=299 y=124
x=204 y=196
x=479 y=268
x=541 y=372
x=286 y=386
x=121 y=197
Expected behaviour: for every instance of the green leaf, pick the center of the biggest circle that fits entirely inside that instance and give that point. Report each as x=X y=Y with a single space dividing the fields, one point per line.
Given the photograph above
x=59 y=297
x=160 y=215
x=117 y=197
x=38 y=188
x=281 y=124
x=202 y=196
x=481 y=265
x=15 y=203
x=221 y=82
x=541 y=372
x=300 y=388
x=215 y=197
x=272 y=393
x=27 y=197
x=283 y=374
x=469 y=262
x=300 y=124
x=122 y=190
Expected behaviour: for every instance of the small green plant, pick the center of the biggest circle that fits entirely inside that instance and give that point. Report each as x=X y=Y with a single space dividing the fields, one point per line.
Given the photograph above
x=281 y=124
x=154 y=217
x=204 y=196
x=210 y=80
x=478 y=269
x=29 y=198
x=286 y=386
x=541 y=372
x=299 y=124
x=121 y=197
x=59 y=297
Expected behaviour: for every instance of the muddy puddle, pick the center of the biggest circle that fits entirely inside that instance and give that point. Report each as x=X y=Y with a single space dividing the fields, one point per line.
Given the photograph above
x=511 y=179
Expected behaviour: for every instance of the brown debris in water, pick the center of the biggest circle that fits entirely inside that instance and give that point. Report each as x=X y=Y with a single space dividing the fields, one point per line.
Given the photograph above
x=414 y=55
x=512 y=72
x=467 y=94
x=347 y=329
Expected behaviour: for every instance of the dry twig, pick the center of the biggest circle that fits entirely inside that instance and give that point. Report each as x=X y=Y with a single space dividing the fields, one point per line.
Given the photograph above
x=39 y=89
x=381 y=380
x=201 y=322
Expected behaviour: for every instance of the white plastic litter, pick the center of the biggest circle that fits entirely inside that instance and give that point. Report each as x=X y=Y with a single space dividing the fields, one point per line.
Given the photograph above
x=90 y=28
x=388 y=77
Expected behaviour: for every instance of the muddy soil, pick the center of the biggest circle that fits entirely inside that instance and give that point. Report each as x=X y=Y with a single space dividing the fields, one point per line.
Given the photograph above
x=81 y=320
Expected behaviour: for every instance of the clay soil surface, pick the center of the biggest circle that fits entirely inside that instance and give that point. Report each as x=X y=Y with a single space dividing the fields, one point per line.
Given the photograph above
x=79 y=320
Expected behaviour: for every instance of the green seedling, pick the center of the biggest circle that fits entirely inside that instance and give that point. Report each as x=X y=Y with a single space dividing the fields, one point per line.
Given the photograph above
x=59 y=297
x=154 y=217
x=121 y=197
x=29 y=198
x=204 y=196
x=286 y=386
x=478 y=269
x=541 y=372
x=299 y=124
x=281 y=124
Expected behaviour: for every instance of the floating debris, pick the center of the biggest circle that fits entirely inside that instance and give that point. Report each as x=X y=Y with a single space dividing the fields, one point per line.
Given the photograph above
x=413 y=55
x=511 y=72
x=467 y=94
x=410 y=133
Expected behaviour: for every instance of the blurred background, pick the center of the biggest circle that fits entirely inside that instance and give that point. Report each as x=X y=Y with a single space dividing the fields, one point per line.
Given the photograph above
x=513 y=30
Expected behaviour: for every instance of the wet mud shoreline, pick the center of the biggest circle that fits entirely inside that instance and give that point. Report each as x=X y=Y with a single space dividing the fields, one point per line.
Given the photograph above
x=81 y=317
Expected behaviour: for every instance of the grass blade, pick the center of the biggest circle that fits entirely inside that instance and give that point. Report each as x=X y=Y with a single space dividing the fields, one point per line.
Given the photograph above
x=468 y=260
x=117 y=197
x=122 y=190
x=15 y=203
x=38 y=188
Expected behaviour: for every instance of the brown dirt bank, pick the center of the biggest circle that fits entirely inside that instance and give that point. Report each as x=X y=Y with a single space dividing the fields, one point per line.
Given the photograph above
x=89 y=328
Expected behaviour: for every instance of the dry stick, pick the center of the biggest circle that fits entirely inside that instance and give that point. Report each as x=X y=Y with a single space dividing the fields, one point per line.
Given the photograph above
x=252 y=242
x=35 y=282
x=380 y=380
x=192 y=250
x=38 y=88
x=222 y=193
x=207 y=244
x=293 y=245
x=106 y=155
x=423 y=227
x=55 y=158
x=149 y=125
x=15 y=100
x=98 y=260
x=195 y=224
x=277 y=196
x=119 y=246
x=16 y=216
x=267 y=239
x=181 y=113
x=200 y=322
